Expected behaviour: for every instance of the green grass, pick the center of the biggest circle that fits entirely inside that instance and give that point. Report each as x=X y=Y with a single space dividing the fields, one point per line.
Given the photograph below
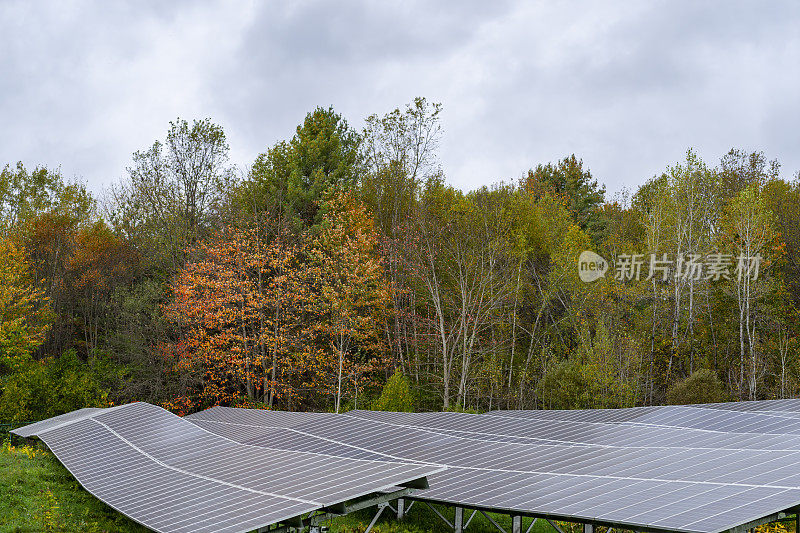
x=37 y=494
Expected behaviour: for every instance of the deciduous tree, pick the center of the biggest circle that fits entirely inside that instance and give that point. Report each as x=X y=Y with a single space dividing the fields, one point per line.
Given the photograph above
x=172 y=193
x=352 y=293
x=25 y=314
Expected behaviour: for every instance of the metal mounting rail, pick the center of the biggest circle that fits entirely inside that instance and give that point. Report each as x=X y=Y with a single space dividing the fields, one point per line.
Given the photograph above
x=380 y=500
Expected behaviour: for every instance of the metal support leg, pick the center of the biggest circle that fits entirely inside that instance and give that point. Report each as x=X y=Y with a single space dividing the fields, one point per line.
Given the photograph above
x=494 y=523
x=458 y=521
x=401 y=508
x=437 y=513
x=375 y=520
x=797 y=522
x=588 y=528
x=555 y=526
x=516 y=524
x=466 y=524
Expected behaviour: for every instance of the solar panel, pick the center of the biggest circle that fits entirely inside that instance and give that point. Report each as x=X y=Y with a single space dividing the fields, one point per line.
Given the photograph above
x=581 y=415
x=731 y=421
x=543 y=431
x=38 y=427
x=791 y=405
x=174 y=476
x=281 y=419
x=572 y=470
x=762 y=420
x=787 y=408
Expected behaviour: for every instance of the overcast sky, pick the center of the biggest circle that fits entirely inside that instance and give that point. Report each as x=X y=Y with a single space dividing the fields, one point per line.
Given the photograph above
x=627 y=86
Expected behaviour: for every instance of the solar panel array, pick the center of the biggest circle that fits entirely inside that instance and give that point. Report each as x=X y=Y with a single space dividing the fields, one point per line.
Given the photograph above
x=173 y=476
x=702 y=469
x=772 y=416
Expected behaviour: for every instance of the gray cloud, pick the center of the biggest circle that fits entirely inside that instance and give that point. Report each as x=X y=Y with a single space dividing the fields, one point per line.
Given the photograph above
x=626 y=86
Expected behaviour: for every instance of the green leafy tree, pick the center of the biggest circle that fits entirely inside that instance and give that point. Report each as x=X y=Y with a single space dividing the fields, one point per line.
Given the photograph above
x=580 y=190
x=750 y=237
x=294 y=177
x=457 y=246
x=564 y=386
x=782 y=198
x=739 y=169
x=173 y=193
x=703 y=386
x=26 y=193
x=396 y=394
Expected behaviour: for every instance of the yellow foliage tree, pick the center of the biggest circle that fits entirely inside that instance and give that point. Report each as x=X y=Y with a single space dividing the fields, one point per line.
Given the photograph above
x=353 y=293
x=25 y=315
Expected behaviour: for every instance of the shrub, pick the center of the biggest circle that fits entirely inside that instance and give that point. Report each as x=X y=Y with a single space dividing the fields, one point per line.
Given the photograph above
x=703 y=386
x=565 y=386
x=396 y=394
x=41 y=389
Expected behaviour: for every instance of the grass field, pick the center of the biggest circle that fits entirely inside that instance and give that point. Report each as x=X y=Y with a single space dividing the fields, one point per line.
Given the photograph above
x=37 y=494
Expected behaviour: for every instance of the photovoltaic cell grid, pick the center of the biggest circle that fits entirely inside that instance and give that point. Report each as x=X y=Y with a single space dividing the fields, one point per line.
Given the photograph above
x=627 y=434
x=45 y=425
x=789 y=408
x=644 y=468
x=173 y=476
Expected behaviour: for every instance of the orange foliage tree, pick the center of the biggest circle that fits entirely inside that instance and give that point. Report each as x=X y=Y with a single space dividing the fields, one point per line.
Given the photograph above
x=352 y=296
x=234 y=307
x=100 y=261
x=269 y=318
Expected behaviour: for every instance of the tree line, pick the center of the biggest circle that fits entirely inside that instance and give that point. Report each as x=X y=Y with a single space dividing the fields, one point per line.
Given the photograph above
x=341 y=257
